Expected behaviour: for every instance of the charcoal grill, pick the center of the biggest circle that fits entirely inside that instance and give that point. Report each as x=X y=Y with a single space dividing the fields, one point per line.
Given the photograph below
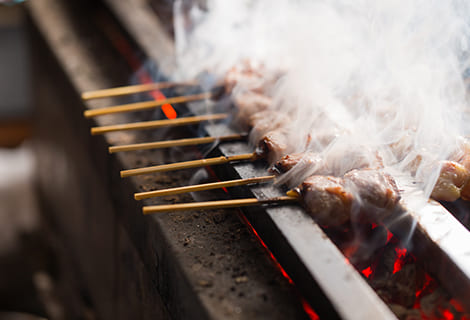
x=168 y=282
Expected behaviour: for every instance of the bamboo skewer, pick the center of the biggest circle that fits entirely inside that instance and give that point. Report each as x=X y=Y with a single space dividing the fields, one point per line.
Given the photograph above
x=201 y=187
x=137 y=106
x=216 y=204
x=174 y=143
x=126 y=90
x=157 y=123
x=189 y=164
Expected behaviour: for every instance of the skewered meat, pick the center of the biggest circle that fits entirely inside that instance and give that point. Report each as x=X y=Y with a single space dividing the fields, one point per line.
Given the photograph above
x=451 y=179
x=332 y=201
x=266 y=122
x=374 y=189
x=465 y=191
x=246 y=74
x=251 y=76
x=248 y=104
x=326 y=199
x=273 y=145
x=315 y=163
x=271 y=133
x=289 y=161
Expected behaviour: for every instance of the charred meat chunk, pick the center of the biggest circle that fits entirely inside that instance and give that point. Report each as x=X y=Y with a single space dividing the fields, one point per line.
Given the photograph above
x=326 y=199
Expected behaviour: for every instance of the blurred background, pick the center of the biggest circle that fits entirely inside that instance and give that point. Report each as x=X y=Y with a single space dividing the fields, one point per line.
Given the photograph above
x=15 y=102
x=24 y=263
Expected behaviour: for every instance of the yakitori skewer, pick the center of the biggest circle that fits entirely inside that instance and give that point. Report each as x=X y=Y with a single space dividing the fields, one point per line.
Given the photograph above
x=132 y=89
x=142 y=125
x=201 y=187
x=189 y=164
x=269 y=144
x=138 y=106
x=234 y=203
x=174 y=143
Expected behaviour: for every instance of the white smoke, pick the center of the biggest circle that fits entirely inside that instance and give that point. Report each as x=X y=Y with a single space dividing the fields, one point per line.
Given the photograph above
x=382 y=76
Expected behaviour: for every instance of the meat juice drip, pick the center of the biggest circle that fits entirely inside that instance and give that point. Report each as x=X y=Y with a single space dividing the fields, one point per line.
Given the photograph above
x=397 y=276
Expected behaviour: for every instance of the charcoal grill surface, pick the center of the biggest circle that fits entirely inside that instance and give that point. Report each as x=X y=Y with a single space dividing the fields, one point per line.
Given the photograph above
x=301 y=246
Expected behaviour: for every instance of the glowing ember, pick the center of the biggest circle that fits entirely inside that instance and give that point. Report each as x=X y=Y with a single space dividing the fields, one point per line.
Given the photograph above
x=310 y=312
x=367 y=272
x=456 y=305
x=307 y=308
x=426 y=285
x=397 y=275
x=125 y=49
x=400 y=261
x=167 y=109
x=446 y=314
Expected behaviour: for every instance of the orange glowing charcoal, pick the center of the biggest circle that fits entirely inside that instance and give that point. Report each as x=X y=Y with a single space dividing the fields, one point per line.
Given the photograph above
x=167 y=108
x=399 y=262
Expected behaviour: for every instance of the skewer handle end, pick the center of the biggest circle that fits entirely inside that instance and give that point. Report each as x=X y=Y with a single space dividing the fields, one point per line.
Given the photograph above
x=87 y=113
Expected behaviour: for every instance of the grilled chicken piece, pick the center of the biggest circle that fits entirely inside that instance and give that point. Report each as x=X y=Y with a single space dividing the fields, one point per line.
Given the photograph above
x=251 y=76
x=374 y=190
x=465 y=191
x=248 y=104
x=326 y=199
x=332 y=201
x=449 y=185
x=273 y=145
x=246 y=74
x=320 y=165
x=289 y=161
x=265 y=122
x=462 y=154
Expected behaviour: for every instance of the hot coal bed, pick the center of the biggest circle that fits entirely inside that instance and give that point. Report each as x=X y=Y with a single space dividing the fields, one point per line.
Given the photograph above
x=256 y=263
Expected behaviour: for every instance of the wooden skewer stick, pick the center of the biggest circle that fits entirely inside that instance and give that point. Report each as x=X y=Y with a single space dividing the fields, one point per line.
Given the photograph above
x=189 y=164
x=201 y=187
x=137 y=106
x=174 y=143
x=126 y=90
x=216 y=204
x=157 y=123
